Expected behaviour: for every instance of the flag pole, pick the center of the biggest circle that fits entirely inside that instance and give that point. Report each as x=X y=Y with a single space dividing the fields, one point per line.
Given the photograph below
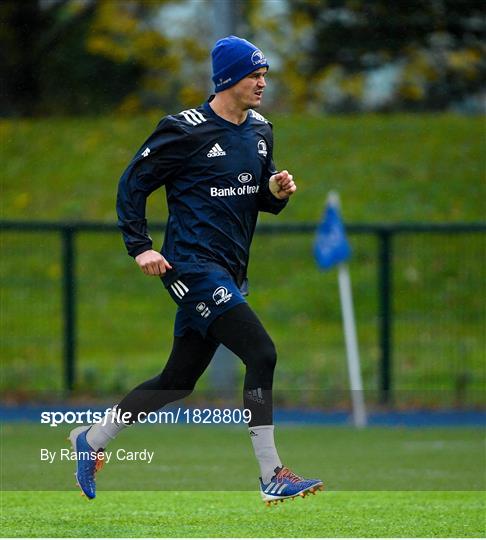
x=354 y=368
x=349 y=326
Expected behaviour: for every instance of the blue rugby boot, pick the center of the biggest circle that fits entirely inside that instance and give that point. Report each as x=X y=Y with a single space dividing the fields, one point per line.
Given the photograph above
x=88 y=461
x=287 y=485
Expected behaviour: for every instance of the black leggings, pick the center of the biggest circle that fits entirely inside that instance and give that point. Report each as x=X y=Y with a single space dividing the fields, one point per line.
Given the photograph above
x=242 y=333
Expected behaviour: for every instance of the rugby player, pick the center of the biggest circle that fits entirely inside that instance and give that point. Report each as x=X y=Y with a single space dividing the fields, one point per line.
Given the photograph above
x=216 y=164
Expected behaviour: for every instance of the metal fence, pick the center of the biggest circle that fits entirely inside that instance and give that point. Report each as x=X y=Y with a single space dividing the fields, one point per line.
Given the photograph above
x=418 y=288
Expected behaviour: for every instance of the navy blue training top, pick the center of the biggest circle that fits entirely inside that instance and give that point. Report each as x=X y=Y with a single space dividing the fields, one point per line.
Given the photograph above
x=216 y=178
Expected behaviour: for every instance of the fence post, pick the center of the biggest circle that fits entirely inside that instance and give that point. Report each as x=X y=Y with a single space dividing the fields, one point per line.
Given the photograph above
x=385 y=312
x=69 y=308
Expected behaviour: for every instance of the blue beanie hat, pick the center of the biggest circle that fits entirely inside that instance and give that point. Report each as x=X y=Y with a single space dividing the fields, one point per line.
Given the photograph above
x=234 y=58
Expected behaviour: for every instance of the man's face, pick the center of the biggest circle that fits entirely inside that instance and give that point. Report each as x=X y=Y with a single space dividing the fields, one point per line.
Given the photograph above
x=249 y=91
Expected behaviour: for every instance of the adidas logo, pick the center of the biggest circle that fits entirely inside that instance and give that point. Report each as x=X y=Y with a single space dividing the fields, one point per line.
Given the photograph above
x=216 y=151
x=255 y=395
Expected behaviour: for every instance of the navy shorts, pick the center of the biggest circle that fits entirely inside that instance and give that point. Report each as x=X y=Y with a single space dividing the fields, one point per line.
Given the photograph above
x=201 y=298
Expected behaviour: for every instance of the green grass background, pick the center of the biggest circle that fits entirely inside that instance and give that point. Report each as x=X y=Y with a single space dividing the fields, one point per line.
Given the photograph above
x=189 y=514
x=208 y=457
x=203 y=482
x=389 y=168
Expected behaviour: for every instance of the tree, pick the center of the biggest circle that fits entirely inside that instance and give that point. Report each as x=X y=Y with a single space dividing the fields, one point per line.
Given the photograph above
x=438 y=45
x=71 y=57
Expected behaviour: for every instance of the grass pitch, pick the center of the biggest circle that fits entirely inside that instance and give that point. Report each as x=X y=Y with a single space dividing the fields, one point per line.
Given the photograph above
x=203 y=483
x=241 y=514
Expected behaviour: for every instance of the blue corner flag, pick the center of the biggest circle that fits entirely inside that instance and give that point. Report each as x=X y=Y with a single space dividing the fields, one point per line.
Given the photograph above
x=331 y=246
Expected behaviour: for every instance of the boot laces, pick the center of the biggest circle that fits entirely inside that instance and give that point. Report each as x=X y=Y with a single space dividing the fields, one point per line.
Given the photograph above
x=99 y=463
x=285 y=472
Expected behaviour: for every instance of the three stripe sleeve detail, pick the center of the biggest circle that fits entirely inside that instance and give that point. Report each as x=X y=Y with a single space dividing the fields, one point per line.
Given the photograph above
x=193 y=116
x=179 y=289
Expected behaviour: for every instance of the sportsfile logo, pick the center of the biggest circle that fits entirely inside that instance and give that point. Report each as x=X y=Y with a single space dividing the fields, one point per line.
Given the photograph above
x=175 y=416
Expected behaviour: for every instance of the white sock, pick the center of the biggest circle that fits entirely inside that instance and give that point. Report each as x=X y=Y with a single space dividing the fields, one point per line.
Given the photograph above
x=103 y=432
x=265 y=451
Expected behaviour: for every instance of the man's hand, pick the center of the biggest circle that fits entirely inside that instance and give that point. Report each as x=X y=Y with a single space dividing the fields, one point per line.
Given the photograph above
x=152 y=263
x=282 y=185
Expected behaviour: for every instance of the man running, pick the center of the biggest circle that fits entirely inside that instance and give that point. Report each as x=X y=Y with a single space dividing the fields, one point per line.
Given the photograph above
x=216 y=164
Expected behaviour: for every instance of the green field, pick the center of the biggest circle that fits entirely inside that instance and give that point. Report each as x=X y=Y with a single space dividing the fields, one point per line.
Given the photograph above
x=387 y=169
x=239 y=514
x=203 y=482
